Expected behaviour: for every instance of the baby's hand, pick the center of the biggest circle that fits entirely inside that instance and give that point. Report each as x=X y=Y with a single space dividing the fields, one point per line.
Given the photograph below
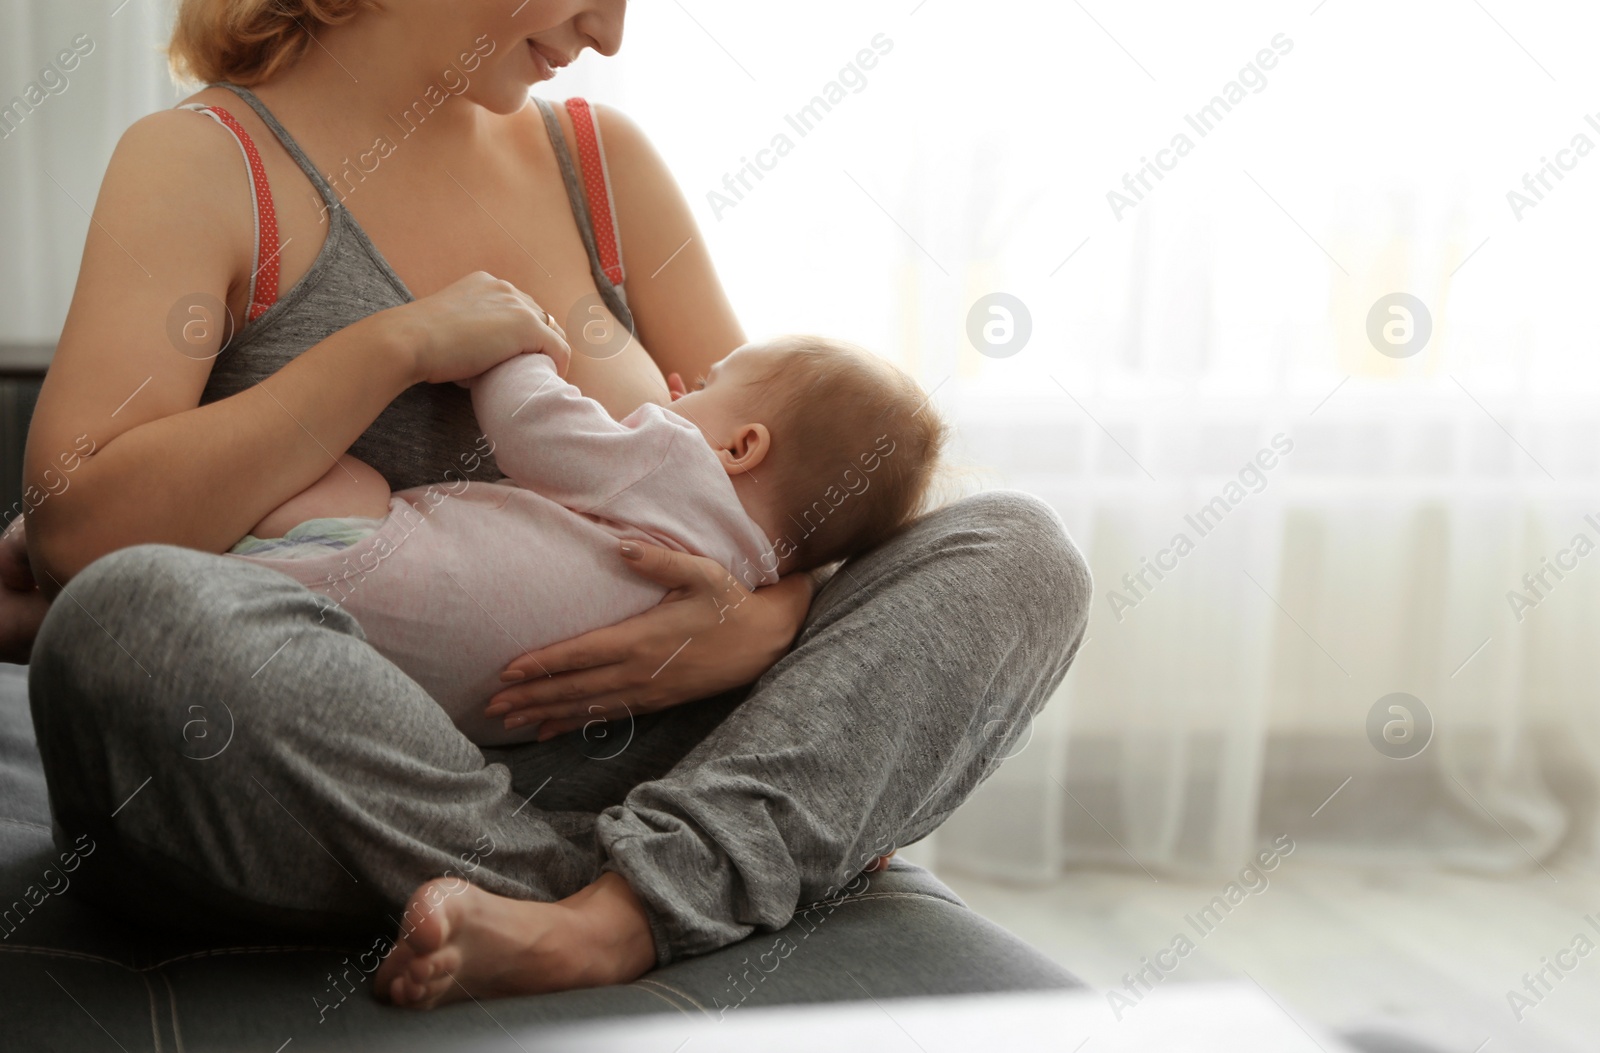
x=676 y=387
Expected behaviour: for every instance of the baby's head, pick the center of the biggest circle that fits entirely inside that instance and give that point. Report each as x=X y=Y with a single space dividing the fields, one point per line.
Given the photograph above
x=830 y=449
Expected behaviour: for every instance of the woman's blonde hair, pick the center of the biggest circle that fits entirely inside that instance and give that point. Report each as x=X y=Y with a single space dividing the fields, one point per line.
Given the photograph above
x=247 y=41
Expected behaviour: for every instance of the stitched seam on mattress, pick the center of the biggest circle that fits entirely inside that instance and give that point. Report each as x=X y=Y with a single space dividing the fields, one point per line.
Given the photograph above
x=218 y=952
x=53 y=952
x=155 y=1029
x=668 y=987
x=648 y=986
x=172 y=1004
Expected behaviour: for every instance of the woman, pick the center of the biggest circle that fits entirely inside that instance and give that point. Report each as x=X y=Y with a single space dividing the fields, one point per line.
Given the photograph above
x=227 y=736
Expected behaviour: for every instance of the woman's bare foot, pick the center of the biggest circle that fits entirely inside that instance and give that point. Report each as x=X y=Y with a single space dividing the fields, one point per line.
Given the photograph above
x=461 y=941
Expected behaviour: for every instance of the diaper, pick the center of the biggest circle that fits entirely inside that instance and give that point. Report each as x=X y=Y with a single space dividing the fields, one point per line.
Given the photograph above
x=314 y=537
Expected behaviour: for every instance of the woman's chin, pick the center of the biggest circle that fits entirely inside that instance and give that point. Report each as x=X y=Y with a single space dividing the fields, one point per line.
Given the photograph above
x=505 y=99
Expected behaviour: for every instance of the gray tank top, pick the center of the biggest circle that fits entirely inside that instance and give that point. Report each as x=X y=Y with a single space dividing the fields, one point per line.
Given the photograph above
x=430 y=428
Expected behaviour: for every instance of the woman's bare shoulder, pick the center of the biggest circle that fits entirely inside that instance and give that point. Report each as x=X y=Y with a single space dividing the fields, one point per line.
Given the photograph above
x=625 y=140
x=181 y=143
x=643 y=184
x=178 y=170
x=173 y=156
x=683 y=313
x=626 y=144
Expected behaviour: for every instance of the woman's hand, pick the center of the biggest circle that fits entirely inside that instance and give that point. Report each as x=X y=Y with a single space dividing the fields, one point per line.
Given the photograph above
x=707 y=635
x=22 y=606
x=474 y=325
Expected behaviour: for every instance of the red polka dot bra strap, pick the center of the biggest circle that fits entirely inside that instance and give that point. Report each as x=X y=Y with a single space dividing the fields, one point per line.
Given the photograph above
x=597 y=187
x=264 y=279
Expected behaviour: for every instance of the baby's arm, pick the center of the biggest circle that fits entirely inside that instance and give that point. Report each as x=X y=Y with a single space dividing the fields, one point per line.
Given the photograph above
x=351 y=487
x=550 y=438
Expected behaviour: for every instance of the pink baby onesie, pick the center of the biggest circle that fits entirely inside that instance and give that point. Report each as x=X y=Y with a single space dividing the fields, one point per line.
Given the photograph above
x=461 y=578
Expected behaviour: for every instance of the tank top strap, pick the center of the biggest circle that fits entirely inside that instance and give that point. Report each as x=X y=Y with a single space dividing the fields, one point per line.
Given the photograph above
x=264 y=278
x=329 y=197
x=611 y=293
x=597 y=187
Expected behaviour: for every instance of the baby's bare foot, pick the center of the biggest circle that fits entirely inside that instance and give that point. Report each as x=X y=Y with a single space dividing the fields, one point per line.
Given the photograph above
x=461 y=941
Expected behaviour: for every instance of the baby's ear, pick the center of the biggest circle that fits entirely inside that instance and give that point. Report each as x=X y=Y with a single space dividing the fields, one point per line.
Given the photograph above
x=749 y=447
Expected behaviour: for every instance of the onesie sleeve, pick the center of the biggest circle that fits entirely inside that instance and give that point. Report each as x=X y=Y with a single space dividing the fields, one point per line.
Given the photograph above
x=549 y=438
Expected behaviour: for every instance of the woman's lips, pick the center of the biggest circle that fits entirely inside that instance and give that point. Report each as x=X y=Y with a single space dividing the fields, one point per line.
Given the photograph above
x=546 y=60
x=540 y=63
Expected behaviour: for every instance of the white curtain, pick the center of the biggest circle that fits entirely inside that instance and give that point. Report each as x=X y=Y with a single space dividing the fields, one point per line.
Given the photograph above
x=1173 y=338
x=72 y=111
x=969 y=151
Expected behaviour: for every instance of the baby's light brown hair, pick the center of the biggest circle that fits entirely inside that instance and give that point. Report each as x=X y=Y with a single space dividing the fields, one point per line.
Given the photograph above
x=855 y=448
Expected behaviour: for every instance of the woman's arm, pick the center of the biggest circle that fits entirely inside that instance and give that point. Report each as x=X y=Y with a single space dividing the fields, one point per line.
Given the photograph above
x=170 y=228
x=173 y=223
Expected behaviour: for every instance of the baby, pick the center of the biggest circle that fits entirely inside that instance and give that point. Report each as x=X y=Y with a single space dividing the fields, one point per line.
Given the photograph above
x=789 y=455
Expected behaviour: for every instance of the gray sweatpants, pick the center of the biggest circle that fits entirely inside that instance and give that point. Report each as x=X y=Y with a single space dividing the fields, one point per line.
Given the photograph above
x=247 y=759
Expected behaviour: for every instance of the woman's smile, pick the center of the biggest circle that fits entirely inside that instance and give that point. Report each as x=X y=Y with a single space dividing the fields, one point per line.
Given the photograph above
x=545 y=59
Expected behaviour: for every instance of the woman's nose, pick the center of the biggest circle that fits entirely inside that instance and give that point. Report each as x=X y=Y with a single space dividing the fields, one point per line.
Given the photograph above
x=602 y=25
